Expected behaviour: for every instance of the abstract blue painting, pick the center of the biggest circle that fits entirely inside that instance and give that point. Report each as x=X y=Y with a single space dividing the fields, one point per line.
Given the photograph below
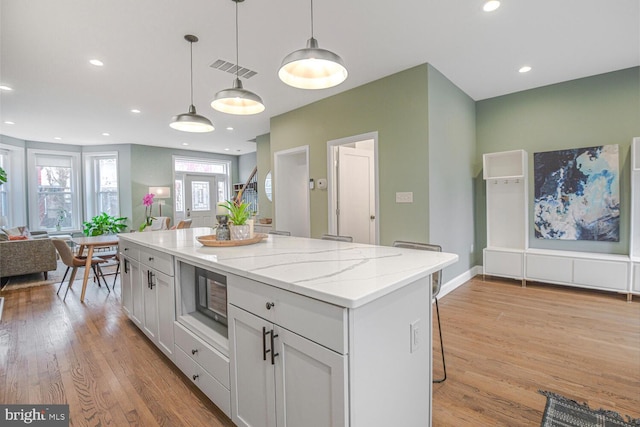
x=577 y=194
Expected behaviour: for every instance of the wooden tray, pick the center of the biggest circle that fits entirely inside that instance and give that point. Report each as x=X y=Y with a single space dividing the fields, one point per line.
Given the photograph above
x=210 y=240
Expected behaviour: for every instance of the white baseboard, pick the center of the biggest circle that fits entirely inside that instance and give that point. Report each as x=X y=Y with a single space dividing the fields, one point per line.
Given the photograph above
x=460 y=280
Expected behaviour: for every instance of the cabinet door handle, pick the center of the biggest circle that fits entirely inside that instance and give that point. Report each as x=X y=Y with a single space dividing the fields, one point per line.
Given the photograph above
x=264 y=343
x=194 y=351
x=150 y=258
x=269 y=305
x=151 y=284
x=148 y=278
x=195 y=376
x=126 y=266
x=126 y=249
x=273 y=350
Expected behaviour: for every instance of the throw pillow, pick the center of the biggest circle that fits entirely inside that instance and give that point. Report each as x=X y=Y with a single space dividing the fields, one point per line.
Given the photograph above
x=18 y=231
x=3 y=236
x=18 y=238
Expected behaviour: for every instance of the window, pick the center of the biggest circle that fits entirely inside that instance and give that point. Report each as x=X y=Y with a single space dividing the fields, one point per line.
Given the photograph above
x=12 y=204
x=220 y=169
x=54 y=201
x=101 y=184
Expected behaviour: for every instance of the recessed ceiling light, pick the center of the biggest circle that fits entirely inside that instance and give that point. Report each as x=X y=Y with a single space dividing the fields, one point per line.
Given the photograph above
x=135 y=110
x=185 y=143
x=226 y=149
x=524 y=69
x=5 y=87
x=491 y=5
x=96 y=62
x=9 y=122
x=105 y=133
x=229 y=128
x=57 y=138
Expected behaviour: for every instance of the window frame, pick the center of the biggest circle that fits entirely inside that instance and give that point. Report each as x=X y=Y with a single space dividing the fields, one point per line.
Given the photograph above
x=91 y=184
x=75 y=184
x=16 y=213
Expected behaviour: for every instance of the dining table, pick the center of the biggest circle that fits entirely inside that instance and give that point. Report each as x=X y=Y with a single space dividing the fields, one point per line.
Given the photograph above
x=90 y=243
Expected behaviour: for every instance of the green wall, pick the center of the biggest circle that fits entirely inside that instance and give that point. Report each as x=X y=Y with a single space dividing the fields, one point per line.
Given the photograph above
x=395 y=107
x=597 y=110
x=263 y=159
x=153 y=166
x=452 y=146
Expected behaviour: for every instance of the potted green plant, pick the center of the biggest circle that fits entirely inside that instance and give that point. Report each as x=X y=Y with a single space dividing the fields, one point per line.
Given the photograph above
x=104 y=224
x=239 y=213
x=62 y=214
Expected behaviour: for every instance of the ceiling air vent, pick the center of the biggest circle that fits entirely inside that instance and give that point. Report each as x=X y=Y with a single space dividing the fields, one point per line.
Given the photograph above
x=230 y=68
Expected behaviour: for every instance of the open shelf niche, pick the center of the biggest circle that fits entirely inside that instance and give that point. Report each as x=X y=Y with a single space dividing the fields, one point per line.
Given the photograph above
x=506 y=176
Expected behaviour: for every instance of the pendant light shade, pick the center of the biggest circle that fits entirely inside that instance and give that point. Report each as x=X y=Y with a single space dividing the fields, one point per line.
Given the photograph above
x=237 y=100
x=191 y=121
x=312 y=67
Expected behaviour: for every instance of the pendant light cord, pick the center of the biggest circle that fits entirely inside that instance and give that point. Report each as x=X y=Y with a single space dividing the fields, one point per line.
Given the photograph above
x=237 y=42
x=191 y=69
x=311 y=18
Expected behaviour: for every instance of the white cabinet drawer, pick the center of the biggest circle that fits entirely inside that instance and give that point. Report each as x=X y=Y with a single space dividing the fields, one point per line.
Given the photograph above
x=502 y=263
x=318 y=321
x=215 y=391
x=551 y=268
x=214 y=362
x=157 y=260
x=601 y=274
x=130 y=250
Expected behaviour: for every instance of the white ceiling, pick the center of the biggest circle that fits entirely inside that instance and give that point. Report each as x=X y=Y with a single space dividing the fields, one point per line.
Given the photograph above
x=46 y=46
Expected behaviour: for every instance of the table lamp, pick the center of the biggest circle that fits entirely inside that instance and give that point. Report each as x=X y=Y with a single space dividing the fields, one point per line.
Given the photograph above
x=160 y=193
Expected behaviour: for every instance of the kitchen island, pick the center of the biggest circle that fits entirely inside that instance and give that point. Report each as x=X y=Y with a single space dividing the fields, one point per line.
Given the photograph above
x=319 y=332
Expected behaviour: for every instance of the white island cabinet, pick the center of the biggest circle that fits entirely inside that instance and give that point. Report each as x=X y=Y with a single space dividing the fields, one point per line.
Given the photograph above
x=317 y=333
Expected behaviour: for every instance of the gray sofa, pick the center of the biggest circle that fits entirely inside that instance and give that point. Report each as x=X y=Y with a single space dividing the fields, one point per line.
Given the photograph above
x=19 y=257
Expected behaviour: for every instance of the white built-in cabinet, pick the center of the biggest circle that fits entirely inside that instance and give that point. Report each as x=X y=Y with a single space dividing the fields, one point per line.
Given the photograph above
x=148 y=293
x=634 y=250
x=288 y=362
x=507 y=253
x=505 y=175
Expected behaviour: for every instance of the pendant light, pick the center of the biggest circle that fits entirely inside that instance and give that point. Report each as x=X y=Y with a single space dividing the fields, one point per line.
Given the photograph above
x=237 y=100
x=312 y=67
x=191 y=121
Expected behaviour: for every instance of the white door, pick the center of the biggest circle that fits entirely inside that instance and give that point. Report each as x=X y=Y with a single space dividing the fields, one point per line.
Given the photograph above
x=356 y=194
x=200 y=200
x=310 y=383
x=252 y=375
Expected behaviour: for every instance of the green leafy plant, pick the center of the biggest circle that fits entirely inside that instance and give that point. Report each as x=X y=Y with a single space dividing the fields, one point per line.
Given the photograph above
x=239 y=213
x=3 y=176
x=104 y=224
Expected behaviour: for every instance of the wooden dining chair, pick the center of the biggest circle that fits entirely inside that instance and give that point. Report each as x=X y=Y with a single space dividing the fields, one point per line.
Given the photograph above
x=436 y=283
x=73 y=262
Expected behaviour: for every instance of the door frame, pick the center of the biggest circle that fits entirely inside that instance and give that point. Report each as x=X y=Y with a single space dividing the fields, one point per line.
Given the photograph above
x=332 y=179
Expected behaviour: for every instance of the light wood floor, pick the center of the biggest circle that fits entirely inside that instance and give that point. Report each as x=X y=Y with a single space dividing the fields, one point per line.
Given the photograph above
x=503 y=343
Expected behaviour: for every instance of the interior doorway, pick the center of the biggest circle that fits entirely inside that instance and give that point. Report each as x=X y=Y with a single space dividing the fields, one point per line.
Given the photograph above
x=291 y=191
x=353 y=187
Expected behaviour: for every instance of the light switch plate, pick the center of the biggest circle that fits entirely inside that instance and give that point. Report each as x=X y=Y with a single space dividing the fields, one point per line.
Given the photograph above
x=404 y=197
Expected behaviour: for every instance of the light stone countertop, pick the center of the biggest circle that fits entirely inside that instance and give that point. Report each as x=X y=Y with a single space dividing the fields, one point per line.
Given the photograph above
x=345 y=274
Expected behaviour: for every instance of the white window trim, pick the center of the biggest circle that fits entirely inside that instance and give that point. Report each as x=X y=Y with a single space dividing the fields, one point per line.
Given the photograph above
x=16 y=185
x=75 y=186
x=89 y=181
